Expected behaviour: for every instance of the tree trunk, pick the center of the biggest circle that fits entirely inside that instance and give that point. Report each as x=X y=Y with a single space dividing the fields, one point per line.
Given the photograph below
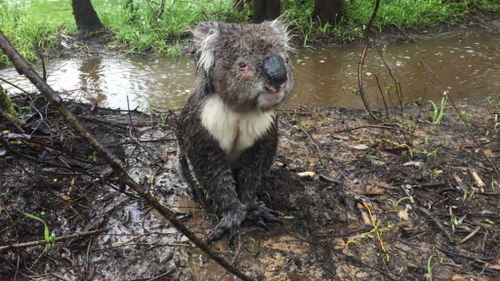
x=85 y=16
x=265 y=10
x=7 y=109
x=328 y=11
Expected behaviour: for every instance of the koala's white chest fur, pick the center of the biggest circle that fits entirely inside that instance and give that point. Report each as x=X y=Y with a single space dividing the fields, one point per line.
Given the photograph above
x=234 y=131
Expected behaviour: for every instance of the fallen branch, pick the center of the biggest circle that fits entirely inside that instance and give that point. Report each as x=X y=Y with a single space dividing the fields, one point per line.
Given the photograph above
x=362 y=127
x=361 y=64
x=116 y=164
x=58 y=239
x=437 y=223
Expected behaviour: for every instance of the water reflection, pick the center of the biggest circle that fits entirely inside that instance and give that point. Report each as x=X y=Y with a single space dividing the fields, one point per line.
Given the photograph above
x=469 y=66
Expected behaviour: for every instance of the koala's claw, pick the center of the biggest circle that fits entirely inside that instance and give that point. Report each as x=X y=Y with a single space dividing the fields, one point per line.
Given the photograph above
x=230 y=223
x=259 y=215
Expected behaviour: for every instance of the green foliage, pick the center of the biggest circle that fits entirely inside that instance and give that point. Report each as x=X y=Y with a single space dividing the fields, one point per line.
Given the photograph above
x=429 y=268
x=398 y=14
x=50 y=238
x=34 y=25
x=7 y=106
x=437 y=112
x=138 y=27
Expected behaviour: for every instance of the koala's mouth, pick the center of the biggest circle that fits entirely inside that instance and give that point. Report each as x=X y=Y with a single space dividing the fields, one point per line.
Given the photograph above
x=272 y=88
x=270 y=99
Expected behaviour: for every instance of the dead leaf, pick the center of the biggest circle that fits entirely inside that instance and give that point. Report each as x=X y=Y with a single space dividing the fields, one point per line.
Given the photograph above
x=359 y=146
x=403 y=214
x=488 y=152
x=366 y=218
x=374 y=191
x=164 y=156
x=457 y=277
x=385 y=185
x=459 y=181
x=308 y=174
x=479 y=182
x=494 y=266
x=413 y=163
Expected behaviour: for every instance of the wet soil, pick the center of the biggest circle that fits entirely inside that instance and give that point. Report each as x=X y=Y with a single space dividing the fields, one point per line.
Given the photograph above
x=399 y=199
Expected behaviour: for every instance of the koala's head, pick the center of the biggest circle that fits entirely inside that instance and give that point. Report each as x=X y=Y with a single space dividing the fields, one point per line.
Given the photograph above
x=247 y=65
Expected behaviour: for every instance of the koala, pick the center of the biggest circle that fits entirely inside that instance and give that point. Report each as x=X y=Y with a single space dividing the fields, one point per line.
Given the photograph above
x=228 y=129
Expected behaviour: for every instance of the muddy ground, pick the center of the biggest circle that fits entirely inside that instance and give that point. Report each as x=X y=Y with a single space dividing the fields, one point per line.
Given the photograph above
x=399 y=199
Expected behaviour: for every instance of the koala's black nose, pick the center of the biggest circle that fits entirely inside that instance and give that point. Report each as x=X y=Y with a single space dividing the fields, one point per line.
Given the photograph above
x=275 y=70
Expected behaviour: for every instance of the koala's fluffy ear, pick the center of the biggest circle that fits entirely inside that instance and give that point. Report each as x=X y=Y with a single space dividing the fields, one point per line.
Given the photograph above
x=205 y=37
x=281 y=30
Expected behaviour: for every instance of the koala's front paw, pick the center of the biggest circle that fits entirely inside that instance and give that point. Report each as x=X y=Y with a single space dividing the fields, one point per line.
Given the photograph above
x=259 y=215
x=230 y=222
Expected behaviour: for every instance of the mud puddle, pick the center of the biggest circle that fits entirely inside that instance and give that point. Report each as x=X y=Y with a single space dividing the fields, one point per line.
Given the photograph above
x=468 y=65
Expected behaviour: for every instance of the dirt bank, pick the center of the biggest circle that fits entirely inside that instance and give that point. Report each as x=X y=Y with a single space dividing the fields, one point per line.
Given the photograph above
x=396 y=200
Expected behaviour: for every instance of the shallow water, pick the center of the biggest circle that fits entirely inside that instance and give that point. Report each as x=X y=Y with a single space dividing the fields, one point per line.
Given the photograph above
x=466 y=65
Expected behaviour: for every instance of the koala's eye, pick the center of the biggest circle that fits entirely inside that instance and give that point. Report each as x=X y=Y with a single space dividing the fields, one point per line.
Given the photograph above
x=287 y=60
x=242 y=65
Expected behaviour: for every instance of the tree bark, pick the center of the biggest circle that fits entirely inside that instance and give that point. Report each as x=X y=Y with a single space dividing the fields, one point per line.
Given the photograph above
x=265 y=10
x=328 y=11
x=85 y=16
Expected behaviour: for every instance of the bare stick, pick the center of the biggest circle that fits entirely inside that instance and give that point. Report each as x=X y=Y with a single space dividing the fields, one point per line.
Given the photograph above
x=397 y=85
x=362 y=127
x=470 y=235
x=361 y=64
x=42 y=242
x=160 y=10
x=14 y=85
x=382 y=95
x=23 y=68
x=320 y=155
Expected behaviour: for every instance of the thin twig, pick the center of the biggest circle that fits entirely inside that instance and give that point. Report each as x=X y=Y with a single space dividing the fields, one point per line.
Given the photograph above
x=470 y=235
x=160 y=10
x=362 y=127
x=320 y=155
x=383 y=96
x=43 y=242
x=397 y=85
x=15 y=86
x=44 y=69
x=116 y=164
x=361 y=64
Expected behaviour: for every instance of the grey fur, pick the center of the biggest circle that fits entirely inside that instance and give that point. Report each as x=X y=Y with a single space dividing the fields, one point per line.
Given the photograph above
x=230 y=59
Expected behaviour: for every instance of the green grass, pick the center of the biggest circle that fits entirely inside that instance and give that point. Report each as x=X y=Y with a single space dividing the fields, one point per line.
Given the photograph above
x=34 y=25
x=37 y=24
x=138 y=28
x=397 y=14
x=50 y=238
